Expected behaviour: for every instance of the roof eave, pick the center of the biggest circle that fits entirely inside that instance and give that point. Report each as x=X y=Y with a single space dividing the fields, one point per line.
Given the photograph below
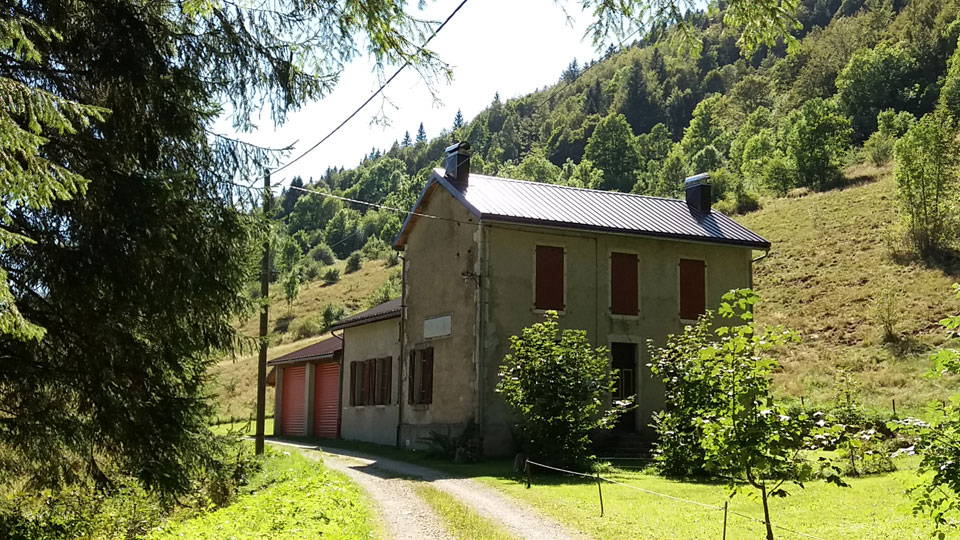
x=436 y=178
x=491 y=218
x=366 y=320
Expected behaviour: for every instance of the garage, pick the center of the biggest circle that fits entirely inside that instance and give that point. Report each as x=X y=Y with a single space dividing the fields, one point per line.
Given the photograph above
x=325 y=400
x=292 y=409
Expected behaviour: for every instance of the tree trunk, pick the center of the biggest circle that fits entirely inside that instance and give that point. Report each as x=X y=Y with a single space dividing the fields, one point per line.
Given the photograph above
x=766 y=511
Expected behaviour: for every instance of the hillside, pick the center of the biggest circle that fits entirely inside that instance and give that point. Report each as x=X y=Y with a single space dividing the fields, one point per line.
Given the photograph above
x=236 y=377
x=832 y=259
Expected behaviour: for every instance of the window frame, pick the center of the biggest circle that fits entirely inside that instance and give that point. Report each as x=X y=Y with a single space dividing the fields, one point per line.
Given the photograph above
x=563 y=291
x=371 y=382
x=417 y=392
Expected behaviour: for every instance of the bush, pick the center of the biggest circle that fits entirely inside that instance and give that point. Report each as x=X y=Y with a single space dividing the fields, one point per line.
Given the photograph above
x=375 y=248
x=322 y=253
x=331 y=315
x=556 y=385
x=308 y=327
x=311 y=269
x=738 y=200
x=393 y=258
x=878 y=149
x=354 y=262
x=331 y=275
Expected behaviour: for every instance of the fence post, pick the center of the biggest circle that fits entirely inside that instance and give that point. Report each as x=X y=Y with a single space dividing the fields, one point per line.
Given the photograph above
x=600 y=491
x=725 y=503
x=526 y=468
x=894 y=407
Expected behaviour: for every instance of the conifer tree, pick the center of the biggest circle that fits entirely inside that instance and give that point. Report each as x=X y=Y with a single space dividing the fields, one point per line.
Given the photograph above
x=458 y=120
x=406 y=139
x=421 y=134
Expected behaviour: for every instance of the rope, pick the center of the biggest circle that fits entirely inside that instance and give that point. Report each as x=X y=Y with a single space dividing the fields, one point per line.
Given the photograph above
x=674 y=498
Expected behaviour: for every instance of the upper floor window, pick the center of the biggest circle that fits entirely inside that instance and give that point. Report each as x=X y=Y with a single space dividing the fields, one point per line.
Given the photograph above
x=548 y=293
x=693 y=288
x=420 y=376
x=624 y=284
x=371 y=381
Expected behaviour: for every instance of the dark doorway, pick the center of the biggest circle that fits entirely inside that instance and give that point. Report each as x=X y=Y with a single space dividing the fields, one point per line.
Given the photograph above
x=625 y=362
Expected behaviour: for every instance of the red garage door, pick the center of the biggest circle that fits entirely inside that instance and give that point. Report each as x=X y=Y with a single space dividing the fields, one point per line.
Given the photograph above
x=292 y=407
x=325 y=400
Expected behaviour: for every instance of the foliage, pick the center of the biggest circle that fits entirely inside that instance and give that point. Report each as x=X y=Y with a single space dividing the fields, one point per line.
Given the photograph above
x=928 y=157
x=387 y=291
x=354 y=262
x=861 y=448
x=874 y=80
x=950 y=94
x=612 y=148
x=879 y=148
x=556 y=385
x=727 y=408
x=322 y=253
x=937 y=493
x=291 y=284
x=815 y=138
x=331 y=275
x=301 y=499
x=886 y=310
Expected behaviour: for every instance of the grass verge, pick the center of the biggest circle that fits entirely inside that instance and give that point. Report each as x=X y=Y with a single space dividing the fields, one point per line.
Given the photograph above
x=291 y=498
x=461 y=521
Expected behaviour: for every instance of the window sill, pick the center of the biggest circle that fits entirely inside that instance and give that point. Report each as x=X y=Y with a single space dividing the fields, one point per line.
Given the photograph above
x=420 y=406
x=688 y=322
x=621 y=317
x=538 y=311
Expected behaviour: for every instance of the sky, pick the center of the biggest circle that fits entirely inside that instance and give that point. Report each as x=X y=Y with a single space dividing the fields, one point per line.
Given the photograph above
x=508 y=46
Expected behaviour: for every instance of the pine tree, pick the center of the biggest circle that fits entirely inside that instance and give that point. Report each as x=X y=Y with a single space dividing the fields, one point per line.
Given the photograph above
x=638 y=108
x=421 y=134
x=572 y=72
x=406 y=139
x=458 y=120
x=594 y=101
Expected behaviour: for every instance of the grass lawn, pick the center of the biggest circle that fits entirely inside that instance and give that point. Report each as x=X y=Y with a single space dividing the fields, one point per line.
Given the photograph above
x=874 y=506
x=291 y=498
x=245 y=427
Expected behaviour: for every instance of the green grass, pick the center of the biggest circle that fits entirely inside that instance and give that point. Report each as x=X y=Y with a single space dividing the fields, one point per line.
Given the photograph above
x=244 y=427
x=291 y=498
x=875 y=506
x=461 y=521
x=833 y=253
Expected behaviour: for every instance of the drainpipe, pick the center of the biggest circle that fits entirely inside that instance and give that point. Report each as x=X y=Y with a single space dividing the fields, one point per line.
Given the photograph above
x=481 y=297
x=758 y=259
x=401 y=362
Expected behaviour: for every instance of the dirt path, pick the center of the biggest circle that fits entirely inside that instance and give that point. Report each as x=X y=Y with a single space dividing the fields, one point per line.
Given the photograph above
x=408 y=517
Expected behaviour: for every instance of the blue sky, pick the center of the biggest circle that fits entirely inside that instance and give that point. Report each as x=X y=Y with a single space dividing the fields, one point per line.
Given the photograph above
x=507 y=46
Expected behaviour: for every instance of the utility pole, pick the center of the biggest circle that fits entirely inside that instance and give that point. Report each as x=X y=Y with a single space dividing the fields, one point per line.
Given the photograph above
x=264 y=299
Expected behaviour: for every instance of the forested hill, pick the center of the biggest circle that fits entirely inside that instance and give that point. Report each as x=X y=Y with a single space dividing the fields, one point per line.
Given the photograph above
x=642 y=118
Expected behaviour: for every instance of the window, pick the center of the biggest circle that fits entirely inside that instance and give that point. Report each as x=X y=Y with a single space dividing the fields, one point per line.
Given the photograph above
x=623 y=284
x=693 y=288
x=420 y=376
x=549 y=278
x=371 y=381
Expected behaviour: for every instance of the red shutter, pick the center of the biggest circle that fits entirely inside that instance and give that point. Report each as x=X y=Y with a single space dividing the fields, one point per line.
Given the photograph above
x=325 y=400
x=353 y=384
x=549 y=274
x=693 y=288
x=411 y=379
x=623 y=283
x=293 y=404
x=426 y=380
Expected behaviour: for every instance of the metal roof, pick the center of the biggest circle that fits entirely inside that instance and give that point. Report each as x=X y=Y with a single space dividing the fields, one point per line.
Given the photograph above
x=321 y=350
x=386 y=310
x=492 y=198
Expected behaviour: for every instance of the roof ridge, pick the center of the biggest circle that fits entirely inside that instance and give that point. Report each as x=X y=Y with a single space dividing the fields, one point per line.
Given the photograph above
x=589 y=190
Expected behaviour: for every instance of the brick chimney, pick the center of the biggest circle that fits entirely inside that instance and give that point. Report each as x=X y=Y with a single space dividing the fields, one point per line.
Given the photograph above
x=698 y=192
x=457 y=165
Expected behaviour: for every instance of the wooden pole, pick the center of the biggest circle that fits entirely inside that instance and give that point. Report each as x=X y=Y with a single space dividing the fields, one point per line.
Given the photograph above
x=526 y=467
x=725 y=503
x=600 y=491
x=894 y=401
x=264 y=318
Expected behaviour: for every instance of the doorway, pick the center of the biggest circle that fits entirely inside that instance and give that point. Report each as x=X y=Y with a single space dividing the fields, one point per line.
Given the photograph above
x=624 y=360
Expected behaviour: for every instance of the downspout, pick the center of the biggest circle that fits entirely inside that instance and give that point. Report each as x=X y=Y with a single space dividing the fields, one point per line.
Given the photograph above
x=401 y=362
x=758 y=259
x=481 y=296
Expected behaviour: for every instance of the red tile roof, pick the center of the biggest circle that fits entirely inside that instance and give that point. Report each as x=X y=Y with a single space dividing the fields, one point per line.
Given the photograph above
x=318 y=351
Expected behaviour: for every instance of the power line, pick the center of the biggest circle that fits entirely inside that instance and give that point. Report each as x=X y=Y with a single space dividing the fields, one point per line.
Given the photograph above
x=380 y=206
x=375 y=94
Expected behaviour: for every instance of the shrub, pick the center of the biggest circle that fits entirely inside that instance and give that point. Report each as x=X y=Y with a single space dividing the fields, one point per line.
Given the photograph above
x=885 y=310
x=322 y=253
x=928 y=159
x=307 y=327
x=331 y=315
x=393 y=258
x=331 y=275
x=375 y=248
x=556 y=385
x=738 y=200
x=311 y=269
x=878 y=149
x=354 y=262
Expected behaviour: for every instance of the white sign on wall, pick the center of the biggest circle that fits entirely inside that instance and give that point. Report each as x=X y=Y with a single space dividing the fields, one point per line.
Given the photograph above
x=436 y=326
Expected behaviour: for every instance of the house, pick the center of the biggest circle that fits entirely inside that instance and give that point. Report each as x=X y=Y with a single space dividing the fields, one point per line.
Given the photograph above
x=484 y=257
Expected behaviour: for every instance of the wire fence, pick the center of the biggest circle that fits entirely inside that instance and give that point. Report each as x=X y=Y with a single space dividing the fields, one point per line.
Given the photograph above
x=529 y=477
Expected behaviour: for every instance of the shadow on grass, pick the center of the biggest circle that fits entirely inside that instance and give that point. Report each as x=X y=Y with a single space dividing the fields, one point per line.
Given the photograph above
x=947 y=260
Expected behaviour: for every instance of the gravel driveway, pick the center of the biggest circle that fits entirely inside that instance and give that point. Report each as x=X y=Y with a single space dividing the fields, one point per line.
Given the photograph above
x=408 y=517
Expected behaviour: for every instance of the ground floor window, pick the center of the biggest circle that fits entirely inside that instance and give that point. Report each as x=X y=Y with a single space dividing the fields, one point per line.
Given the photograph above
x=371 y=381
x=420 y=376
